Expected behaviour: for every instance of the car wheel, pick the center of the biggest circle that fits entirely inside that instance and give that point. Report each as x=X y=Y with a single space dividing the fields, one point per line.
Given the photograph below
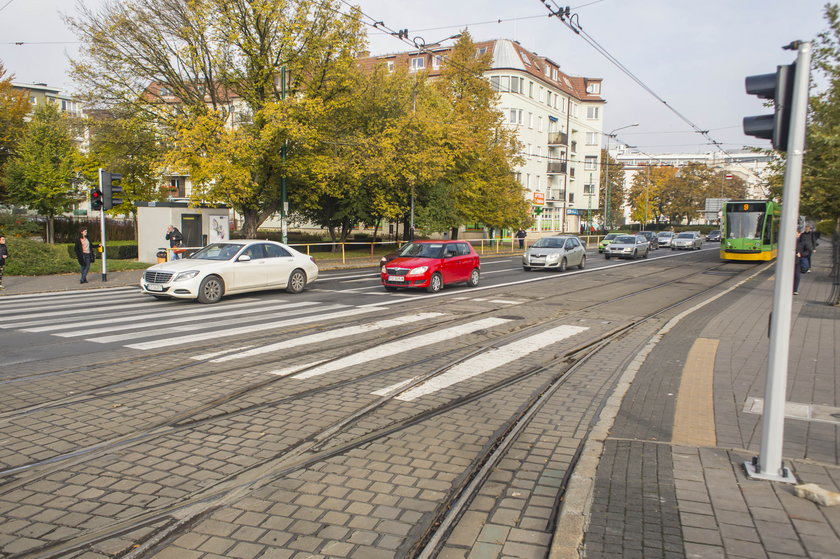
x=562 y=267
x=211 y=289
x=435 y=284
x=526 y=268
x=635 y=255
x=672 y=248
x=389 y=288
x=297 y=281
x=607 y=256
x=582 y=264
x=475 y=276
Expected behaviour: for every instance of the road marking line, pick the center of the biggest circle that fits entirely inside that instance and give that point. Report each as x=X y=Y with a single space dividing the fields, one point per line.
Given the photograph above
x=393 y=348
x=490 y=360
x=160 y=319
x=328 y=335
x=694 y=416
x=218 y=353
x=250 y=329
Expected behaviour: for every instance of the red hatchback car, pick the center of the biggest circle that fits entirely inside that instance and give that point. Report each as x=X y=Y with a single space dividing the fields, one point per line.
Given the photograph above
x=431 y=265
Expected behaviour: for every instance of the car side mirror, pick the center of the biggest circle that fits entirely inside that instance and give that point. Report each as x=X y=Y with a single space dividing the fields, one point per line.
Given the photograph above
x=243 y=258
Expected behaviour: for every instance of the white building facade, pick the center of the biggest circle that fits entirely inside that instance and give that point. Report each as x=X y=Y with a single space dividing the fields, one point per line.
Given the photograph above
x=558 y=120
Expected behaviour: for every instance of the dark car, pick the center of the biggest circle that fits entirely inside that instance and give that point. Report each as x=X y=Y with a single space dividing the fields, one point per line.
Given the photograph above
x=431 y=265
x=713 y=236
x=652 y=239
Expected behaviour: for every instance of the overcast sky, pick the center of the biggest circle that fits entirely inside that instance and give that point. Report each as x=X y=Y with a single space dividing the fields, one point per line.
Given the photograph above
x=694 y=54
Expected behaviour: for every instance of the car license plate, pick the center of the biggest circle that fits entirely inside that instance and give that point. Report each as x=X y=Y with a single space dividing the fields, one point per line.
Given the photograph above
x=396 y=279
x=153 y=287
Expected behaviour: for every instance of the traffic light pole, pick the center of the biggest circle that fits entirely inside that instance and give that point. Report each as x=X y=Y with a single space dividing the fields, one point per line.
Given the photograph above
x=102 y=233
x=769 y=466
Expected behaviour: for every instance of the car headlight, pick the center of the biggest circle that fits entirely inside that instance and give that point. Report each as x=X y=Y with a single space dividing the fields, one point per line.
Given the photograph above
x=189 y=274
x=383 y=269
x=418 y=271
x=552 y=257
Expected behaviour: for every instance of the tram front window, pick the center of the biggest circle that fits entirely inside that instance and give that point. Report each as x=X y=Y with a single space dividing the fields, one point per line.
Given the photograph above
x=744 y=225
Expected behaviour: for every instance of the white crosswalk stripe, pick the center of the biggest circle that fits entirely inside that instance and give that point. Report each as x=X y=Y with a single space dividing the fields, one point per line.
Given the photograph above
x=390 y=349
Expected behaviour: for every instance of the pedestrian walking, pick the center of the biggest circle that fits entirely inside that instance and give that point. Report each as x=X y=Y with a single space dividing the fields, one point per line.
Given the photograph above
x=811 y=239
x=521 y=234
x=174 y=237
x=84 y=254
x=803 y=250
x=4 y=255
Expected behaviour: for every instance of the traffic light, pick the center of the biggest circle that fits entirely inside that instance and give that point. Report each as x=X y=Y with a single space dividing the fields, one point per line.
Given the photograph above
x=95 y=199
x=779 y=88
x=111 y=190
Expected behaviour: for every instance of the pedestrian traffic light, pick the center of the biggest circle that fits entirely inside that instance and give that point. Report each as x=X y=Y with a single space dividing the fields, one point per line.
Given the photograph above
x=95 y=199
x=111 y=190
x=779 y=88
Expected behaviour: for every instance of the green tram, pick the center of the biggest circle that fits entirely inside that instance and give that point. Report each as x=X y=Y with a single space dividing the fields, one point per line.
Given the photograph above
x=750 y=230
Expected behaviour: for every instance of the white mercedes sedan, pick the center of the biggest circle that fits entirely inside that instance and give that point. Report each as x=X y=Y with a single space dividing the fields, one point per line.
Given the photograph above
x=230 y=267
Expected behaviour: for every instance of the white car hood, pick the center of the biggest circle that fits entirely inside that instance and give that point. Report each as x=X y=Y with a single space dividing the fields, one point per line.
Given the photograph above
x=176 y=266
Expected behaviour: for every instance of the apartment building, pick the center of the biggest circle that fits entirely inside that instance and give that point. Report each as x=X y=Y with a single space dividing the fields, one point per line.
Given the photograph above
x=558 y=119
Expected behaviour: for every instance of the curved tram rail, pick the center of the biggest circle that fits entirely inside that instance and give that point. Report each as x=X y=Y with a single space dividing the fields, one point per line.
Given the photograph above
x=157 y=526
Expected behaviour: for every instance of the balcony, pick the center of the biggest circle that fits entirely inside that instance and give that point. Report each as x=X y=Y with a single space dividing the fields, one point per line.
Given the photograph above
x=556 y=168
x=558 y=139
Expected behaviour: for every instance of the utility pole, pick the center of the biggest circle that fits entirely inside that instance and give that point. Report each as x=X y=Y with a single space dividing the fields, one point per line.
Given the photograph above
x=284 y=203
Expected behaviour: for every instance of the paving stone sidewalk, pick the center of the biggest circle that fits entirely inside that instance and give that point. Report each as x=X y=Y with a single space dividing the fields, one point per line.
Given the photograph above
x=653 y=498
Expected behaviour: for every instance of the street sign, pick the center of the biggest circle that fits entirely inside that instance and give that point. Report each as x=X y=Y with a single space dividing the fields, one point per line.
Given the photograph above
x=539 y=198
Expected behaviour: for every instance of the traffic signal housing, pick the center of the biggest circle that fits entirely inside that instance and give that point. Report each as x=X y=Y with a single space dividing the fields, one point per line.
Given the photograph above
x=111 y=190
x=95 y=199
x=779 y=88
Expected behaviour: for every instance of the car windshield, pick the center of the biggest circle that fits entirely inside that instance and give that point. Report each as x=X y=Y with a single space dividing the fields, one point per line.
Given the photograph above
x=550 y=242
x=685 y=236
x=422 y=250
x=217 y=251
x=625 y=240
x=610 y=236
x=714 y=233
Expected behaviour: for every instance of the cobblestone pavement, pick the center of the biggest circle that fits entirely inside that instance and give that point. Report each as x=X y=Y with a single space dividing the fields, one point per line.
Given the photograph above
x=653 y=498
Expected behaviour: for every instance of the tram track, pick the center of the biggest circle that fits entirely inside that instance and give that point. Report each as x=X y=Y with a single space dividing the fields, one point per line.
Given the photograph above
x=183 y=417
x=313 y=448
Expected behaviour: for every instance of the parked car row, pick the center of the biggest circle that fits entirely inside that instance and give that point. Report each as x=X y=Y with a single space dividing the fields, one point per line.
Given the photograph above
x=239 y=266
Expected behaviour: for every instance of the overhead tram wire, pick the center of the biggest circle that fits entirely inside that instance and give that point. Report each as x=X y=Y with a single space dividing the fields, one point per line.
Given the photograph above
x=572 y=21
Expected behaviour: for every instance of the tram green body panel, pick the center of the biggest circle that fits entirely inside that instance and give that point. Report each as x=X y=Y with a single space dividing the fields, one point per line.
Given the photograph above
x=750 y=230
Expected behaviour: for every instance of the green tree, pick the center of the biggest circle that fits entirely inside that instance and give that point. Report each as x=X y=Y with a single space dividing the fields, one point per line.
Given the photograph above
x=40 y=175
x=205 y=66
x=613 y=172
x=821 y=166
x=647 y=192
x=14 y=105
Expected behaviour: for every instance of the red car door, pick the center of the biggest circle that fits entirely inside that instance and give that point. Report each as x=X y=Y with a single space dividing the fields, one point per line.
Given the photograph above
x=449 y=265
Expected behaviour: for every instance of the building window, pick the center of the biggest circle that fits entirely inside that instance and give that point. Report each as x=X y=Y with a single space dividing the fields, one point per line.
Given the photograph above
x=589 y=189
x=436 y=60
x=515 y=116
x=418 y=64
x=592 y=112
x=571 y=197
x=592 y=138
x=539 y=124
x=531 y=90
x=482 y=50
x=547 y=71
x=554 y=74
x=593 y=88
x=590 y=163
x=516 y=84
x=530 y=120
x=390 y=65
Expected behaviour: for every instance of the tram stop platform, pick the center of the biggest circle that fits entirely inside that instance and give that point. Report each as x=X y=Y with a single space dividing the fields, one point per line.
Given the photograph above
x=667 y=479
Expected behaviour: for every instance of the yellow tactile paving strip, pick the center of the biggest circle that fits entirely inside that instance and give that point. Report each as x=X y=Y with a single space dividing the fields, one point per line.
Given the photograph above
x=694 y=418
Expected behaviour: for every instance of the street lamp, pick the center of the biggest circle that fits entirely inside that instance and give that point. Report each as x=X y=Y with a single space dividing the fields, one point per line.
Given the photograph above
x=607 y=222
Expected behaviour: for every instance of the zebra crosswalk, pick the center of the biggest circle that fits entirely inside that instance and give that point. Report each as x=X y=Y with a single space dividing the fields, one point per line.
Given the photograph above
x=125 y=317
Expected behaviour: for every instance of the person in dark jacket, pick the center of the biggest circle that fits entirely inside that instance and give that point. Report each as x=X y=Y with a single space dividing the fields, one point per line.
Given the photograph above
x=811 y=239
x=803 y=250
x=174 y=237
x=4 y=255
x=84 y=254
x=521 y=234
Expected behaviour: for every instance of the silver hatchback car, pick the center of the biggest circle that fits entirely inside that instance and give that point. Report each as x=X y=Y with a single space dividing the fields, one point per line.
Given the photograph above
x=555 y=253
x=688 y=240
x=628 y=246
